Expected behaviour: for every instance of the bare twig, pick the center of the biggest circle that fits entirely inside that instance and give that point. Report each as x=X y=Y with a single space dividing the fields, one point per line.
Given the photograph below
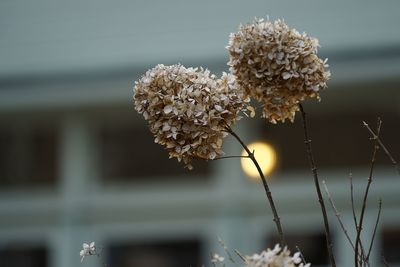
x=353 y=209
x=375 y=228
x=374 y=136
x=266 y=187
x=384 y=260
x=364 y=203
x=240 y=255
x=221 y=242
x=337 y=214
x=307 y=142
x=231 y=157
x=301 y=255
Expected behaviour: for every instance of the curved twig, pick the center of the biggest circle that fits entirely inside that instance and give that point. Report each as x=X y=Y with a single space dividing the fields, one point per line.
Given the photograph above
x=337 y=214
x=375 y=228
x=231 y=157
x=374 y=136
x=266 y=187
x=364 y=203
x=353 y=209
x=307 y=142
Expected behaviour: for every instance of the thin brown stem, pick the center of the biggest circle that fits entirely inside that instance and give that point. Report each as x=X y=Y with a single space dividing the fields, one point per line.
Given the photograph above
x=337 y=214
x=226 y=249
x=301 y=255
x=375 y=228
x=307 y=142
x=266 y=187
x=353 y=209
x=374 y=136
x=364 y=203
x=384 y=260
x=240 y=255
x=231 y=157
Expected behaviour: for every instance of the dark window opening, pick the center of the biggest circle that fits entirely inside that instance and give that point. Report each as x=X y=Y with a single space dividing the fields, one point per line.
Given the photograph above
x=391 y=245
x=160 y=254
x=312 y=246
x=338 y=140
x=23 y=257
x=28 y=156
x=128 y=152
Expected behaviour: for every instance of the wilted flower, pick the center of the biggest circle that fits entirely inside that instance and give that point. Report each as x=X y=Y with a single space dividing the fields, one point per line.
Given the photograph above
x=275 y=258
x=188 y=109
x=277 y=66
x=216 y=258
x=87 y=250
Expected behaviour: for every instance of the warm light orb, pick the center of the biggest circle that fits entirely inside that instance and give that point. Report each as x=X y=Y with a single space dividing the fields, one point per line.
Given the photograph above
x=264 y=154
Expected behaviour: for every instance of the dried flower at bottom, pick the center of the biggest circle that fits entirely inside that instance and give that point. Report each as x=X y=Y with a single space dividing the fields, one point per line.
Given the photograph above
x=188 y=109
x=88 y=250
x=216 y=258
x=277 y=66
x=276 y=257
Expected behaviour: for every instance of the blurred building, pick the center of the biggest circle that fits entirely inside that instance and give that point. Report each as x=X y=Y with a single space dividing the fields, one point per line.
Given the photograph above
x=77 y=163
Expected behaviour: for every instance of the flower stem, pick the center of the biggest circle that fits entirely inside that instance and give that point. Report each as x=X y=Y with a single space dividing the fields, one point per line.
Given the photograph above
x=364 y=204
x=266 y=187
x=307 y=142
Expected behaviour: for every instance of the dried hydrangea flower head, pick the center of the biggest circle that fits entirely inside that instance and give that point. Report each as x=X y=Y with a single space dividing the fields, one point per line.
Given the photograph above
x=277 y=66
x=188 y=109
x=276 y=257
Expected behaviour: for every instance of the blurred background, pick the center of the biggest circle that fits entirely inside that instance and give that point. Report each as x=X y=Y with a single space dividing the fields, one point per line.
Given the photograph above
x=77 y=163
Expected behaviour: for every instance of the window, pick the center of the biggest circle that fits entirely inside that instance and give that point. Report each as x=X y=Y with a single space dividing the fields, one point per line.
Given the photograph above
x=312 y=246
x=338 y=140
x=128 y=151
x=161 y=254
x=28 y=155
x=15 y=256
x=391 y=245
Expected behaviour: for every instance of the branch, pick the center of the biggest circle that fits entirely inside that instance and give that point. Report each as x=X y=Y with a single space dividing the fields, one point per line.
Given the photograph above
x=384 y=260
x=221 y=242
x=354 y=213
x=307 y=142
x=364 y=204
x=231 y=157
x=352 y=200
x=240 y=255
x=266 y=187
x=301 y=255
x=375 y=228
x=376 y=137
x=337 y=214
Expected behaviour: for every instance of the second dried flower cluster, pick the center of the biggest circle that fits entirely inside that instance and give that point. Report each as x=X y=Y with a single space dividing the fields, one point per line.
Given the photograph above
x=277 y=66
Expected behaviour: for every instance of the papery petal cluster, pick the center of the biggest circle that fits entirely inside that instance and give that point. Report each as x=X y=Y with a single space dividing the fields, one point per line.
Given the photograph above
x=188 y=109
x=277 y=66
x=87 y=250
x=216 y=258
x=276 y=257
